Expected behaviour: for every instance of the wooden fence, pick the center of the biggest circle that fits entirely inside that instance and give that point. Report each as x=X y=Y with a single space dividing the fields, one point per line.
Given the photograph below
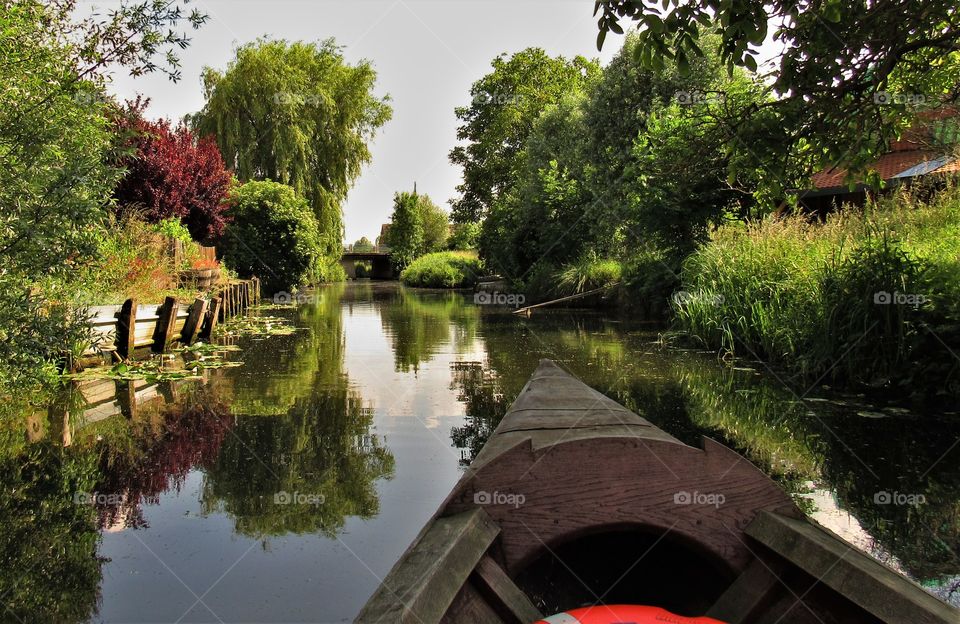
x=122 y=329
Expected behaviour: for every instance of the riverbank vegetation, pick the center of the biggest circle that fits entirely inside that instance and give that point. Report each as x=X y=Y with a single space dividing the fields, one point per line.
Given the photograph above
x=672 y=176
x=593 y=186
x=92 y=189
x=444 y=269
x=417 y=227
x=878 y=286
x=274 y=234
x=298 y=114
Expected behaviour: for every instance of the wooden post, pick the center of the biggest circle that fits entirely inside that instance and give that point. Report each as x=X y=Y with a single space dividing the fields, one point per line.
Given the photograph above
x=165 y=324
x=126 y=328
x=220 y=308
x=212 y=315
x=127 y=397
x=191 y=326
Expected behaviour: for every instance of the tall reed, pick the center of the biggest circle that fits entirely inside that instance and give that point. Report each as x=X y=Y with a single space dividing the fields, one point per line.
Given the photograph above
x=870 y=296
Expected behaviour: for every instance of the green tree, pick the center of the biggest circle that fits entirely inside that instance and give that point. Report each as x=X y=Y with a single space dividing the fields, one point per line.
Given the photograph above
x=363 y=245
x=505 y=104
x=55 y=143
x=615 y=116
x=405 y=236
x=637 y=159
x=464 y=236
x=539 y=219
x=845 y=80
x=299 y=114
x=273 y=234
x=436 y=224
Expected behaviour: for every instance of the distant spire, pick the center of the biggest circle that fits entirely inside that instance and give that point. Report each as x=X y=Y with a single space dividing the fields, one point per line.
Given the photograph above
x=414 y=187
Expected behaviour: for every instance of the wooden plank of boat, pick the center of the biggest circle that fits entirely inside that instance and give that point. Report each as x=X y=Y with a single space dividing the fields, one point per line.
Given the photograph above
x=875 y=588
x=435 y=571
x=566 y=462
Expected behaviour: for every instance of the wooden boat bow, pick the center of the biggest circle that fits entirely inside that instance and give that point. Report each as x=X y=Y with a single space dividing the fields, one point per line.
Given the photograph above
x=567 y=462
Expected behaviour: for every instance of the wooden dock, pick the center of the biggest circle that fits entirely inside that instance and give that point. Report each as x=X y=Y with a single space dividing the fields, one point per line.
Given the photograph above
x=573 y=492
x=122 y=329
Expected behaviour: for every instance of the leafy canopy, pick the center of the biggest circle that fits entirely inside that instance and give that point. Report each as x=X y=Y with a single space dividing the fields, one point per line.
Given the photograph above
x=172 y=174
x=436 y=224
x=847 y=80
x=299 y=114
x=505 y=104
x=55 y=146
x=636 y=159
x=405 y=236
x=273 y=234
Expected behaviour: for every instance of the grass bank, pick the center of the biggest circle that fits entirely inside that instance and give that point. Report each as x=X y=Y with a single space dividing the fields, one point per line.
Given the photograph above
x=444 y=269
x=870 y=297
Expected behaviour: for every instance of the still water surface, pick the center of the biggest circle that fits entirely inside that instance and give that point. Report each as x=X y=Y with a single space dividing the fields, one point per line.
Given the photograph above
x=284 y=489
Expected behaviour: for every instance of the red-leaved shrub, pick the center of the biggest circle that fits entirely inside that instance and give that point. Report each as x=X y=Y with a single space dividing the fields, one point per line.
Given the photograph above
x=171 y=173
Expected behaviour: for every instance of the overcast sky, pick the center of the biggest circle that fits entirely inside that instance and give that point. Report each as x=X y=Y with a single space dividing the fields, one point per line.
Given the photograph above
x=426 y=53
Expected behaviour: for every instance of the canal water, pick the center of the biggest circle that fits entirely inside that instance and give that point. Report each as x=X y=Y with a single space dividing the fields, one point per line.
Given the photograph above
x=284 y=489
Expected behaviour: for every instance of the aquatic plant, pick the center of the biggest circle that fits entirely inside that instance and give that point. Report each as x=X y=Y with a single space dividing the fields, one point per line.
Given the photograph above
x=870 y=297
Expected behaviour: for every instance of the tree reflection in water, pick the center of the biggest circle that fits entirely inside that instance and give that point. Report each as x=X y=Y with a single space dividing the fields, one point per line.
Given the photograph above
x=287 y=421
x=49 y=571
x=420 y=324
x=302 y=472
x=301 y=457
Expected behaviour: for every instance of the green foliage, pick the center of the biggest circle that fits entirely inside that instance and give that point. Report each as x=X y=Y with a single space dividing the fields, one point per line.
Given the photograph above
x=418 y=226
x=299 y=114
x=436 y=224
x=133 y=260
x=506 y=103
x=273 y=235
x=172 y=227
x=678 y=169
x=594 y=180
x=848 y=79
x=54 y=574
x=444 y=269
x=464 y=237
x=405 y=236
x=55 y=143
x=540 y=217
x=650 y=276
x=363 y=245
x=588 y=273
x=813 y=297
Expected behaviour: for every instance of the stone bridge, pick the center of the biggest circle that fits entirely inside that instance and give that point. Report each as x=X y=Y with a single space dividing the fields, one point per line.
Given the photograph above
x=379 y=259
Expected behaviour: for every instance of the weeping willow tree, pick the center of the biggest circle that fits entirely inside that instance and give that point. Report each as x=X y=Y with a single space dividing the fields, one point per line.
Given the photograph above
x=299 y=114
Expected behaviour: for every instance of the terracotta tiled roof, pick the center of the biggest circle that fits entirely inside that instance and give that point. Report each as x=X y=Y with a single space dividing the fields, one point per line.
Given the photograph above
x=908 y=157
x=888 y=166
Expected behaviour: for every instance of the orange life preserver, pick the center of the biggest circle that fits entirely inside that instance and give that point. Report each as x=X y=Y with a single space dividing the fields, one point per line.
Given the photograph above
x=623 y=614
